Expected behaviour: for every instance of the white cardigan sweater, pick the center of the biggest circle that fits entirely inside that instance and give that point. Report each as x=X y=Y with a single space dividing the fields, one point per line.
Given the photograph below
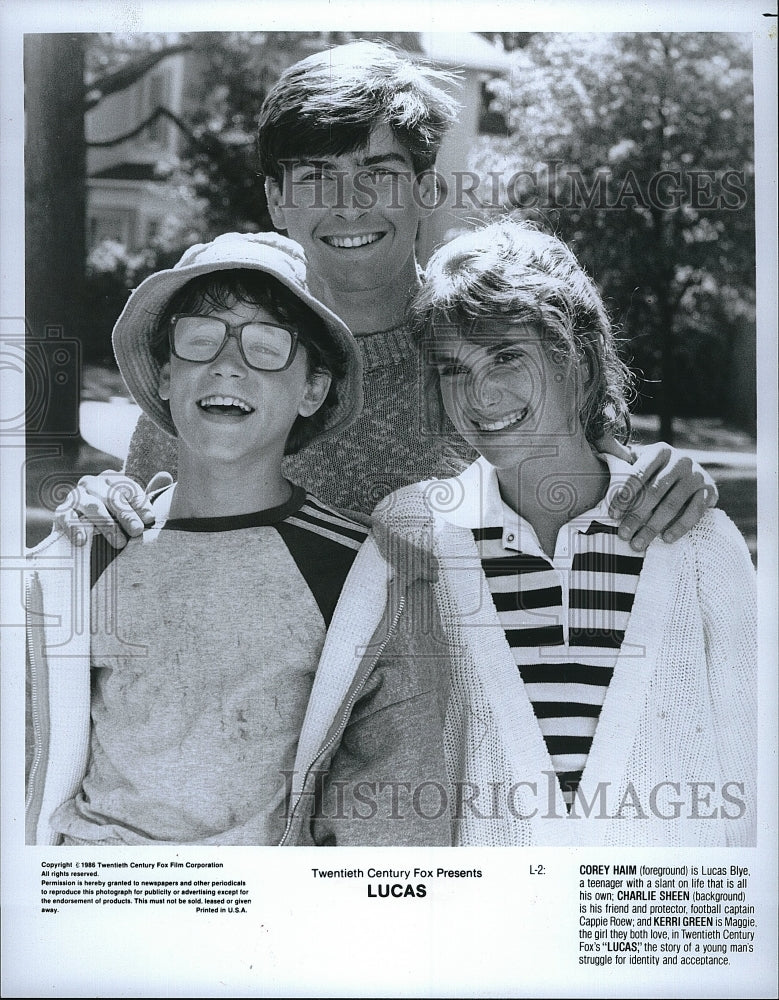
x=680 y=708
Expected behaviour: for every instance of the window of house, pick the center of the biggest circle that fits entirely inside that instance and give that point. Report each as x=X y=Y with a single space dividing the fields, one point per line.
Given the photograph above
x=493 y=114
x=111 y=224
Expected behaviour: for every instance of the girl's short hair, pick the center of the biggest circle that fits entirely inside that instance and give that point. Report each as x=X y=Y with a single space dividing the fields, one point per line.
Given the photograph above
x=222 y=290
x=510 y=269
x=330 y=102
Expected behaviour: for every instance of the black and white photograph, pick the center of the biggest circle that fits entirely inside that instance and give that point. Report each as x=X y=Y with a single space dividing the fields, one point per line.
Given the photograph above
x=389 y=464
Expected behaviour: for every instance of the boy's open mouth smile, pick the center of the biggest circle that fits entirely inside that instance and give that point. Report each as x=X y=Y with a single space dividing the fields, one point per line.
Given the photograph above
x=511 y=419
x=225 y=405
x=350 y=242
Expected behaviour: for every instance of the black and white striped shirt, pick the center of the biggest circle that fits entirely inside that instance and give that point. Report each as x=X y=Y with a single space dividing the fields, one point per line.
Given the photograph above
x=564 y=619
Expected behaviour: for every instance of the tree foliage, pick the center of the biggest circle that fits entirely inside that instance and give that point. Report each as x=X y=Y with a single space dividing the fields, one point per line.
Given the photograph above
x=215 y=182
x=638 y=150
x=635 y=148
x=234 y=71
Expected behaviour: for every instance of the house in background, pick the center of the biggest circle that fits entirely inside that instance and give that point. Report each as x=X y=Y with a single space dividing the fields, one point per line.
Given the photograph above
x=130 y=197
x=476 y=62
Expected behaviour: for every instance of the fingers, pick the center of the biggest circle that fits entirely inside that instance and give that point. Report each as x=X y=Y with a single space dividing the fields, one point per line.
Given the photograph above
x=80 y=506
x=673 y=512
x=639 y=527
x=666 y=494
x=710 y=491
x=114 y=505
x=67 y=520
x=650 y=460
x=639 y=497
x=689 y=516
x=128 y=502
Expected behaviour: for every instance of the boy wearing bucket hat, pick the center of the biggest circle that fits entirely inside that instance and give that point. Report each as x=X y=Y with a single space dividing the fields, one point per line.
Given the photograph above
x=175 y=692
x=348 y=140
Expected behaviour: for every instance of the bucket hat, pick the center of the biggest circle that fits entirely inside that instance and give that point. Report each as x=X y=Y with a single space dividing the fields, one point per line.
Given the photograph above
x=270 y=253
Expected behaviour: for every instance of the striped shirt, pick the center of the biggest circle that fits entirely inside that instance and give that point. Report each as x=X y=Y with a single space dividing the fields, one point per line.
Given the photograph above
x=208 y=633
x=564 y=619
x=322 y=542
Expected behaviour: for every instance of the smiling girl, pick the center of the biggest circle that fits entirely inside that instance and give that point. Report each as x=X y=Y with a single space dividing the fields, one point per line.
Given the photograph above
x=600 y=695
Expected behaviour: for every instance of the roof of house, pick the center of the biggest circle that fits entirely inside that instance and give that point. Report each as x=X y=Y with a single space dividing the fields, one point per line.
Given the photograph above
x=464 y=49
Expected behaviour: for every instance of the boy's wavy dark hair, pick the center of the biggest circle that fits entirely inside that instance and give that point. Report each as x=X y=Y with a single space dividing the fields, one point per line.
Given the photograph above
x=511 y=270
x=329 y=103
x=221 y=290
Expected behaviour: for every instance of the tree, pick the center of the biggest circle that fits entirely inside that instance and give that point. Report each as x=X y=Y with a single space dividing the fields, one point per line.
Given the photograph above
x=638 y=150
x=67 y=75
x=234 y=72
x=58 y=91
x=54 y=226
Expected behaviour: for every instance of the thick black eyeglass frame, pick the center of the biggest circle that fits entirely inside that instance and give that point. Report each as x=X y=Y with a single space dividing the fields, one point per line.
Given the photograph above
x=231 y=331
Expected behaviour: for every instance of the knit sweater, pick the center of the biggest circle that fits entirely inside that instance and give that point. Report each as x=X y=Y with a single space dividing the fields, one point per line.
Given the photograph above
x=399 y=438
x=678 y=723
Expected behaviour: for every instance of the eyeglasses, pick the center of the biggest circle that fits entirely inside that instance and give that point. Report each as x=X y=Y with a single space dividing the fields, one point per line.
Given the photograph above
x=264 y=346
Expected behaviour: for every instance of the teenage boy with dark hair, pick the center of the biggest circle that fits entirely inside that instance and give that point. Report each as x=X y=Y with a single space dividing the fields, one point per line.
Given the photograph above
x=200 y=686
x=348 y=139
